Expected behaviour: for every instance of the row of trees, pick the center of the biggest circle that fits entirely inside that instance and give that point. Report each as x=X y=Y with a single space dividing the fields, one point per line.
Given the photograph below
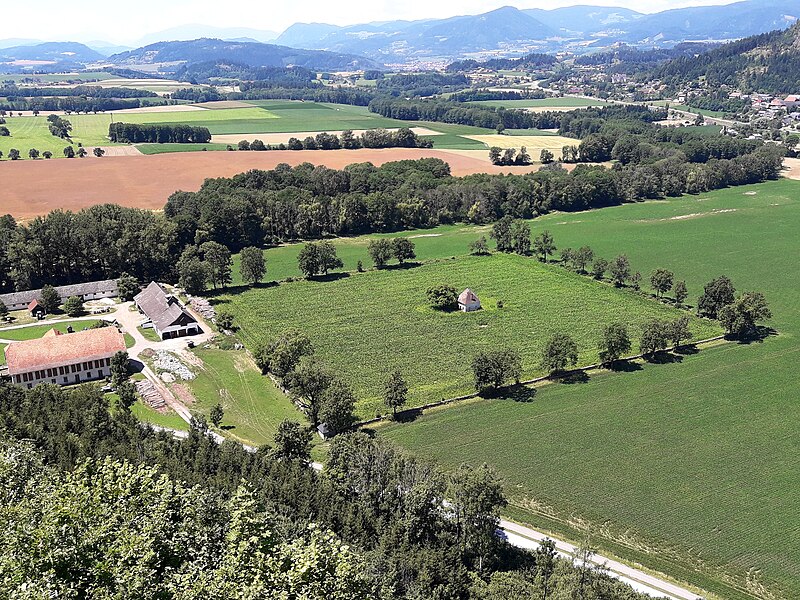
x=494 y=369
x=158 y=133
x=347 y=140
x=509 y=157
x=69 y=152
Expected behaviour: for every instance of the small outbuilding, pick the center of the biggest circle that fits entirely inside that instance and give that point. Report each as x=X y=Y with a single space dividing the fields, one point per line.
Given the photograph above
x=468 y=301
x=36 y=309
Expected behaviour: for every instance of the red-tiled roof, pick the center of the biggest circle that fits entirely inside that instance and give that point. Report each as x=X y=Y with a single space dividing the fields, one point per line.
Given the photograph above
x=34 y=303
x=57 y=350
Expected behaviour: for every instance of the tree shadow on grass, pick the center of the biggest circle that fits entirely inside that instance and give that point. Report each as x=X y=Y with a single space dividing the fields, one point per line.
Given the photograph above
x=757 y=337
x=688 y=350
x=519 y=393
x=227 y=427
x=625 y=366
x=573 y=377
x=330 y=277
x=663 y=358
x=407 y=416
x=235 y=290
x=402 y=266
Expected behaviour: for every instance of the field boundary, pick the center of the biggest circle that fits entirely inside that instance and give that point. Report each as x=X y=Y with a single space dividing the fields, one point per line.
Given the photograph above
x=551 y=378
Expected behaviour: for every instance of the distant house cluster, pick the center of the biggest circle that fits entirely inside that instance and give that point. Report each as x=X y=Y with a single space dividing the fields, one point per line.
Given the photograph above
x=165 y=313
x=64 y=359
x=93 y=290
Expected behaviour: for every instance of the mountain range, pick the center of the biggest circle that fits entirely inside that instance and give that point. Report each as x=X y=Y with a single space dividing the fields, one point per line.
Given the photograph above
x=246 y=53
x=549 y=30
x=506 y=31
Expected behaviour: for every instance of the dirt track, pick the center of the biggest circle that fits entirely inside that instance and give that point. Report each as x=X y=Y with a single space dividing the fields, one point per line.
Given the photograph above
x=30 y=188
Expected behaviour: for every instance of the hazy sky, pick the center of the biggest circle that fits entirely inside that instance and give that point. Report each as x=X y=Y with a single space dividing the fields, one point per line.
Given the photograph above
x=126 y=22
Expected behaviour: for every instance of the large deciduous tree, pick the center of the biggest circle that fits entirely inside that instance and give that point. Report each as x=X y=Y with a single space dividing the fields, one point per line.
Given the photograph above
x=559 y=352
x=614 y=342
x=717 y=293
x=661 y=281
x=495 y=368
x=741 y=317
x=281 y=355
x=380 y=251
x=253 y=266
x=395 y=392
x=544 y=245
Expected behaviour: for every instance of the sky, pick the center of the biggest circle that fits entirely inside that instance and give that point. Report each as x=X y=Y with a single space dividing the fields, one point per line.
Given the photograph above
x=127 y=22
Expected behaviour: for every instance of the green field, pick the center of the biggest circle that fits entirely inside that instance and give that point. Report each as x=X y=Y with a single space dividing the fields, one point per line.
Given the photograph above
x=167 y=148
x=2 y=354
x=567 y=101
x=366 y=325
x=294 y=116
x=264 y=116
x=253 y=405
x=441 y=242
x=687 y=467
x=170 y=420
x=37 y=331
x=88 y=76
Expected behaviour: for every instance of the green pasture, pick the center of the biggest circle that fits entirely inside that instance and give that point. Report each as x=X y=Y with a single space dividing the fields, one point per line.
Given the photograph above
x=265 y=116
x=167 y=148
x=688 y=467
x=253 y=405
x=170 y=419
x=36 y=331
x=86 y=77
x=3 y=354
x=367 y=324
x=441 y=242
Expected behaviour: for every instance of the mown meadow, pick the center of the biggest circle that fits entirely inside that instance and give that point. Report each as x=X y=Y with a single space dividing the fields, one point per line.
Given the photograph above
x=365 y=325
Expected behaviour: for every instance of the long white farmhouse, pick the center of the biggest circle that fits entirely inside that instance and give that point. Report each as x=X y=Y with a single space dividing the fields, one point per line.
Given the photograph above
x=64 y=358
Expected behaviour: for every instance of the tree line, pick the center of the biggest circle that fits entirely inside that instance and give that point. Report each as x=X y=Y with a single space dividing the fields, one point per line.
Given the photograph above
x=158 y=133
x=12 y=92
x=287 y=203
x=347 y=140
x=77 y=104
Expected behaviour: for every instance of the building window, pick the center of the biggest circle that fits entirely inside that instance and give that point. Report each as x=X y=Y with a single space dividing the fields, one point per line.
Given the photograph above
x=66 y=379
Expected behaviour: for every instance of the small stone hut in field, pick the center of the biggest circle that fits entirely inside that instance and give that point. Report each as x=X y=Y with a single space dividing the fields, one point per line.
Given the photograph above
x=468 y=301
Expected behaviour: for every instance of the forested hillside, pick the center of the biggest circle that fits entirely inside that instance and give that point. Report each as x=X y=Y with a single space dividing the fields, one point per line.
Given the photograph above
x=767 y=63
x=94 y=505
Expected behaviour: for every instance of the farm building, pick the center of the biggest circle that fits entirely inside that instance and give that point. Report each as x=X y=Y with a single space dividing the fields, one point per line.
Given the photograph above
x=92 y=290
x=64 y=358
x=165 y=313
x=36 y=309
x=468 y=301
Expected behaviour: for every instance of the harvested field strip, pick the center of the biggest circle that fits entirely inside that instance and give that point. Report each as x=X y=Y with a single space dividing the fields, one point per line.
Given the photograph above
x=34 y=188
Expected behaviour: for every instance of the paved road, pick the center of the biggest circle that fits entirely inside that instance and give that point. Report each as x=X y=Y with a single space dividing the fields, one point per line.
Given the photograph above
x=524 y=537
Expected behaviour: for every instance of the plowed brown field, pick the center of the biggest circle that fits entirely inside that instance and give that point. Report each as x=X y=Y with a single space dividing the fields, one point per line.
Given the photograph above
x=29 y=188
